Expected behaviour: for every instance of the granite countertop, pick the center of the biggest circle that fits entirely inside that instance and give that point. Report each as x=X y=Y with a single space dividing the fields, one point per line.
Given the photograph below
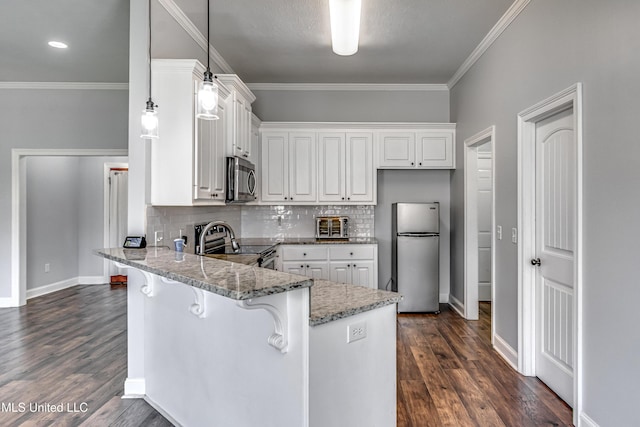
x=331 y=301
x=246 y=259
x=230 y=279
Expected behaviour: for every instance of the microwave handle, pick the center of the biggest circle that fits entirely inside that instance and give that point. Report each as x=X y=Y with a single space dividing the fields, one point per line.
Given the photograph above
x=251 y=182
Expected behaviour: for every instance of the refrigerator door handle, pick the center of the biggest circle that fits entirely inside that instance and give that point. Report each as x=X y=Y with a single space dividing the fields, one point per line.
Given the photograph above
x=417 y=234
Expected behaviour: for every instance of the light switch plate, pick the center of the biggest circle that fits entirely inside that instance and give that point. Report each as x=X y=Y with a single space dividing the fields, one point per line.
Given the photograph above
x=514 y=235
x=499 y=232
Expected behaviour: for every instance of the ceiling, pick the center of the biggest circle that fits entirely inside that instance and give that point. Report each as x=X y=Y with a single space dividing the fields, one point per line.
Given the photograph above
x=264 y=41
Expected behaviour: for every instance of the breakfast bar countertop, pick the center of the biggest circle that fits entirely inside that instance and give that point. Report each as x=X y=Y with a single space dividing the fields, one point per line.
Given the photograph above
x=234 y=280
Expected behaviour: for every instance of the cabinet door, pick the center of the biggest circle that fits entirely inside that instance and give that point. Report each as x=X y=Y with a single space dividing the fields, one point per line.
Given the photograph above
x=239 y=132
x=397 y=149
x=302 y=166
x=362 y=273
x=317 y=270
x=210 y=157
x=435 y=150
x=340 y=271
x=245 y=140
x=360 y=172
x=293 y=267
x=275 y=170
x=331 y=165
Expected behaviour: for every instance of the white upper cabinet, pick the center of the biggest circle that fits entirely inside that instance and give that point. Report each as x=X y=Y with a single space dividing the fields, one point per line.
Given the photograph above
x=345 y=164
x=188 y=160
x=422 y=149
x=289 y=167
x=239 y=117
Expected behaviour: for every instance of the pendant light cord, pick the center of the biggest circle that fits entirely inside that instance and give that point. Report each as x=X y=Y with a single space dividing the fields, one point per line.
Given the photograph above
x=208 y=26
x=149 y=57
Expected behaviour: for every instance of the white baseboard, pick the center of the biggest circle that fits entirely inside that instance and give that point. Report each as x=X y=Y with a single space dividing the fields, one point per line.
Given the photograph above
x=586 y=421
x=505 y=351
x=134 y=388
x=53 y=287
x=456 y=305
x=444 y=298
x=8 y=302
x=94 y=280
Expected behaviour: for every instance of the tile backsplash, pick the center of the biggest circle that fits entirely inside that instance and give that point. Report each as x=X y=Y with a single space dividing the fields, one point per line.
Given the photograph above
x=298 y=221
x=252 y=221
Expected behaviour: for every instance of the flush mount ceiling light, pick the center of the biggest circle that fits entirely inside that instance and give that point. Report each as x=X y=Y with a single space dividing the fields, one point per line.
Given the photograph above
x=57 y=45
x=345 y=25
x=149 y=119
x=208 y=92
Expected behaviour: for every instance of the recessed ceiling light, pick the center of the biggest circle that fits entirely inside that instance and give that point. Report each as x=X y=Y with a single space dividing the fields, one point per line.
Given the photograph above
x=58 y=45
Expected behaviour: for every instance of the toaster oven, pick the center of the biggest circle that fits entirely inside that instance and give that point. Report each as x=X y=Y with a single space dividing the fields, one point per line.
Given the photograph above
x=332 y=227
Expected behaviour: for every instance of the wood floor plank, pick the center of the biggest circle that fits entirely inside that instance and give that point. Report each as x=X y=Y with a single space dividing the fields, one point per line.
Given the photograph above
x=420 y=408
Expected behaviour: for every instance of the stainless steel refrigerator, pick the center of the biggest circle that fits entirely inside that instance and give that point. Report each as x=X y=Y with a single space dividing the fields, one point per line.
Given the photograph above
x=415 y=255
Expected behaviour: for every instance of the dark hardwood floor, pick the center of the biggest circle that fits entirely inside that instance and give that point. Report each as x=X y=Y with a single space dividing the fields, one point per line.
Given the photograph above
x=449 y=375
x=69 y=348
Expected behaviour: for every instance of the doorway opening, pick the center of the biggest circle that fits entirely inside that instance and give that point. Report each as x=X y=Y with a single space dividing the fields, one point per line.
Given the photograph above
x=550 y=244
x=116 y=185
x=19 y=159
x=479 y=214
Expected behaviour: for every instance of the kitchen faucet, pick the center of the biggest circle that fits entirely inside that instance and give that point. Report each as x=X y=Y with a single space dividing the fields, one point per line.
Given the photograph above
x=232 y=235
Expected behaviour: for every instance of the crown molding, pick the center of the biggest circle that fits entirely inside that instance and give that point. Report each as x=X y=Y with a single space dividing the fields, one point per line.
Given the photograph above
x=266 y=125
x=509 y=16
x=176 y=13
x=64 y=85
x=348 y=87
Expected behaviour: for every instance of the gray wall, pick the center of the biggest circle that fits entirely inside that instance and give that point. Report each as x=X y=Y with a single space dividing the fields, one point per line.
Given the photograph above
x=52 y=219
x=352 y=106
x=53 y=119
x=411 y=186
x=549 y=47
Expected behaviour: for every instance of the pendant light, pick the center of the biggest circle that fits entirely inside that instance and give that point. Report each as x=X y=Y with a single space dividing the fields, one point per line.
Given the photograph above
x=208 y=91
x=149 y=118
x=345 y=26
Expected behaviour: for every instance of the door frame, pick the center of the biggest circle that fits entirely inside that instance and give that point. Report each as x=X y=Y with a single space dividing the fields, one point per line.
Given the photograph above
x=527 y=119
x=471 y=144
x=19 y=212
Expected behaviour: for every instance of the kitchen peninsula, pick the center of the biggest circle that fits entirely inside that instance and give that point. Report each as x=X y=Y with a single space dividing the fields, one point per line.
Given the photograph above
x=231 y=344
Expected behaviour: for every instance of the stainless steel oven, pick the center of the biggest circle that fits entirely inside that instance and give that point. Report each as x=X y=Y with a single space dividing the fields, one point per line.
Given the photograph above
x=241 y=181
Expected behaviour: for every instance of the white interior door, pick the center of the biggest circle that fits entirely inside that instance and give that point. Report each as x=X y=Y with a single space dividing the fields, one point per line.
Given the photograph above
x=555 y=252
x=485 y=200
x=118 y=190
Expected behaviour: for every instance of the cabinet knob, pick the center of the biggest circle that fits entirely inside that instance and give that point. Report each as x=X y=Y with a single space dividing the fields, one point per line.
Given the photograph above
x=354 y=266
x=343 y=198
x=302 y=266
x=412 y=163
x=304 y=254
x=348 y=198
x=285 y=198
x=307 y=266
x=351 y=253
x=348 y=265
x=291 y=198
x=420 y=164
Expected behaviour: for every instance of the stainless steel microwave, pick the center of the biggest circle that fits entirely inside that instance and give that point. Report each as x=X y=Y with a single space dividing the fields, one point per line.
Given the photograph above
x=241 y=180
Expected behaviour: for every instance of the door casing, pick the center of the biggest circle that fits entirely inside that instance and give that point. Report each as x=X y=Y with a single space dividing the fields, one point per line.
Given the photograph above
x=527 y=119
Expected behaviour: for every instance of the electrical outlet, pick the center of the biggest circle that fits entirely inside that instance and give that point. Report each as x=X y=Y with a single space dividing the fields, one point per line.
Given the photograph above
x=514 y=236
x=356 y=332
x=499 y=232
x=47 y=267
x=158 y=237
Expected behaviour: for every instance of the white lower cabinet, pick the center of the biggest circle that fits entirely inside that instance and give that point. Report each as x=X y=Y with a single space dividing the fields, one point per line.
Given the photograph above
x=355 y=264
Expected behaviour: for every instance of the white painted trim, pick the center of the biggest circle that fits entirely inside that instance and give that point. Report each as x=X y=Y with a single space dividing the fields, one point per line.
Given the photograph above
x=509 y=16
x=64 y=85
x=281 y=126
x=349 y=87
x=18 y=210
x=527 y=119
x=7 y=302
x=471 y=311
x=179 y=16
x=93 y=280
x=505 y=351
x=134 y=388
x=456 y=305
x=444 y=298
x=53 y=287
x=586 y=421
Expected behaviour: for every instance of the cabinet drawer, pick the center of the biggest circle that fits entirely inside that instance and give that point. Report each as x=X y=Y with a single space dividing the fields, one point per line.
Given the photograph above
x=306 y=252
x=348 y=252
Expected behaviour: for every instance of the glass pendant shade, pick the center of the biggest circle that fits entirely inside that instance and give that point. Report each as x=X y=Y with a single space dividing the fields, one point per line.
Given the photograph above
x=208 y=100
x=149 y=121
x=345 y=26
